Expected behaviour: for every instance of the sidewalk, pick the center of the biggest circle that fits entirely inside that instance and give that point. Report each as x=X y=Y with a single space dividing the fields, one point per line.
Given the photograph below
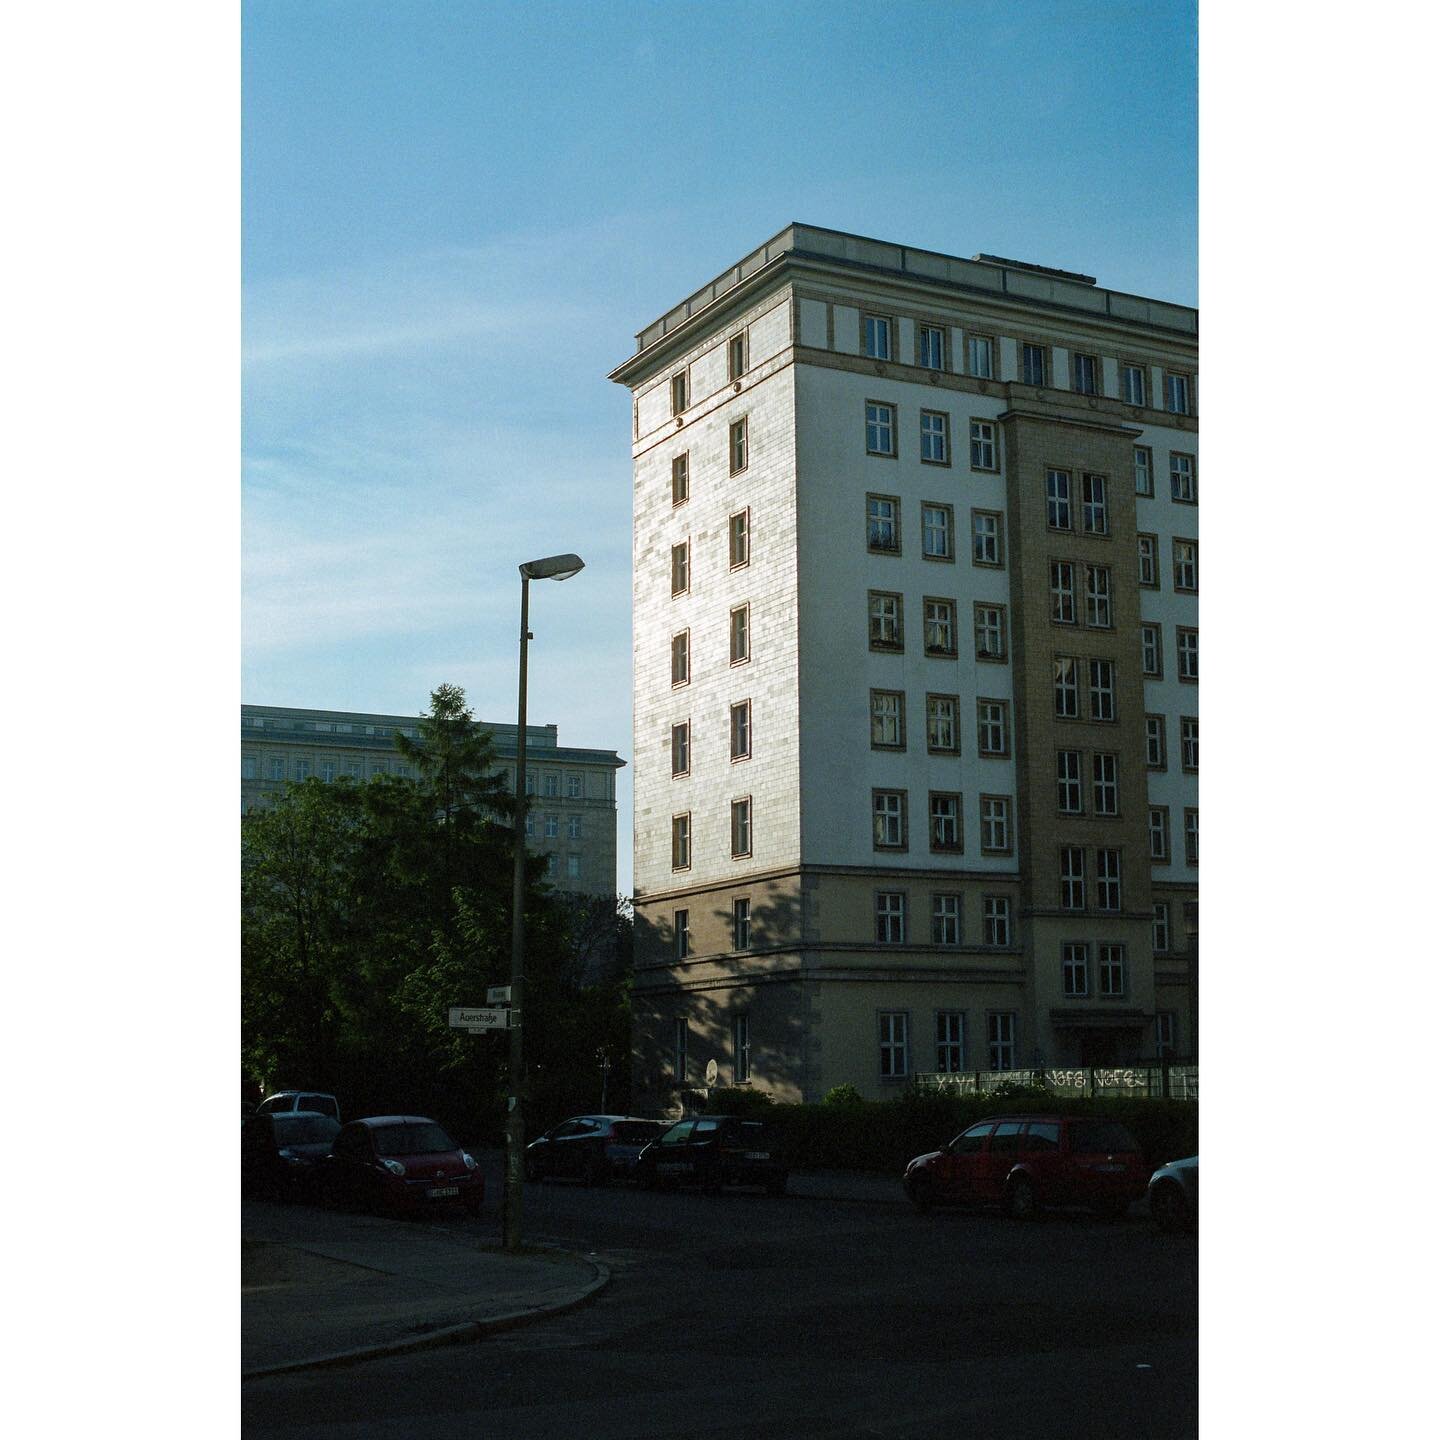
x=320 y=1288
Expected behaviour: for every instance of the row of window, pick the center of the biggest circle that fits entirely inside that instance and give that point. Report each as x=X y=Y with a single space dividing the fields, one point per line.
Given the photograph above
x=740 y=740
x=890 y=814
x=1184 y=562
x=739 y=534
x=741 y=836
x=1155 y=749
x=1160 y=834
x=1182 y=475
x=1152 y=653
x=942 y=728
x=739 y=1055
x=882 y=436
x=550 y=826
x=886 y=626
x=951 y=1053
x=1075 y=893
x=737 y=362
x=937 y=531
x=328 y=727
x=301 y=768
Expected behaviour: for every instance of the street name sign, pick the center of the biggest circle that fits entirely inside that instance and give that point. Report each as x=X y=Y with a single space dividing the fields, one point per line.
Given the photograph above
x=498 y=995
x=486 y=1019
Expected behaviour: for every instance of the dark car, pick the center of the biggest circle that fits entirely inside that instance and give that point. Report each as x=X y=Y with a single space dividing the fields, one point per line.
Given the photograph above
x=712 y=1151
x=1174 y=1194
x=399 y=1164
x=592 y=1148
x=278 y=1153
x=1027 y=1162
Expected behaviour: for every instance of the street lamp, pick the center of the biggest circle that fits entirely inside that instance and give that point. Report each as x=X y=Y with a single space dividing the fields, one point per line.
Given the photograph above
x=553 y=567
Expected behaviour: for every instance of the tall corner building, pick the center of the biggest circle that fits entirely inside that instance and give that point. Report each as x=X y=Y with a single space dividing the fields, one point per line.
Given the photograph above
x=916 y=665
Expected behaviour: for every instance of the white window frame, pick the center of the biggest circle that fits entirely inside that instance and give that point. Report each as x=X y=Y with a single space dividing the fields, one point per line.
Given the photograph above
x=1059 y=494
x=1105 y=782
x=887 y=810
x=894 y=1058
x=1097 y=597
x=1085 y=373
x=1072 y=877
x=1158 y=825
x=1187 y=654
x=1062 y=593
x=995 y=832
x=986 y=537
x=937 y=530
x=1190 y=742
x=877 y=337
x=980 y=356
x=995 y=920
x=1069 y=788
x=984 y=452
x=742 y=839
x=989 y=631
x=1132 y=384
x=1075 y=969
x=1182 y=478
x=736 y=356
x=1110 y=968
x=890 y=918
x=1108 y=879
x=939 y=626
x=942 y=717
x=887 y=719
x=1185 y=565
x=950 y=1042
x=740 y=736
x=934 y=437
x=946 y=916
x=1152 y=659
x=1160 y=927
x=1147 y=553
x=992 y=724
x=1001 y=1038
x=880 y=428
x=930 y=347
x=1094 y=503
x=882 y=524
x=1027 y=372
x=886 y=616
x=1067 y=691
x=1102 y=689
x=946 y=833
x=1177 y=393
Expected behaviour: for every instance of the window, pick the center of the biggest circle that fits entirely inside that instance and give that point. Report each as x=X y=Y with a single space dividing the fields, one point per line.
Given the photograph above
x=1102 y=689
x=740 y=925
x=942 y=734
x=1148 y=546
x=888 y=808
x=1069 y=797
x=1144 y=470
x=302 y=769
x=980 y=350
x=277 y=769
x=739 y=539
x=985 y=538
x=944 y=919
x=682 y=934
x=932 y=347
x=1189 y=742
x=740 y=1039
x=1032 y=364
x=529 y=781
x=680 y=658
x=1094 y=510
x=1187 y=654
x=679 y=392
x=894 y=1044
x=1105 y=783
x=949 y=1041
x=1097 y=597
x=1072 y=877
x=989 y=632
x=1192 y=837
x=945 y=831
x=939 y=626
x=574 y=786
x=1155 y=742
x=1112 y=970
x=735 y=356
x=887 y=720
x=680 y=842
x=887 y=621
x=1067 y=687
x=740 y=445
x=574 y=827
x=1132 y=384
x=890 y=917
x=682 y=1035
x=1160 y=927
x=680 y=478
x=740 y=730
x=328 y=770
x=1152 y=661
x=996 y=919
x=1182 y=478
x=1062 y=592
x=1057 y=500
x=882 y=524
x=739 y=634
x=529 y=825
x=1177 y=394
x=879 y=428
x=552 y=827
x=1107 y=880
x=680 y=568
x=552 y=785
x=1086 y=370
x=1166 y=1028
x=982 y=446
x=994 y=824
x=877 y=337
x=739 y=828
x=680 y=749
x=993 y=726
x=937 y=531
x=1075 y=969
x=1187 y=570
x=934 y=437
x=1000 y=1032
x=1160 y=832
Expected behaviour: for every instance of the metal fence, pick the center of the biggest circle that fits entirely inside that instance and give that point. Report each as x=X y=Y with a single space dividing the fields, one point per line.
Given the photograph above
x=1134 y=1082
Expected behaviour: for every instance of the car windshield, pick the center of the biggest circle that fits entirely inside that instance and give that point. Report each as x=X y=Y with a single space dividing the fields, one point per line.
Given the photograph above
x=305 y=1129
x=1092 y=1137
x=636 y=1132
x=426 y=1138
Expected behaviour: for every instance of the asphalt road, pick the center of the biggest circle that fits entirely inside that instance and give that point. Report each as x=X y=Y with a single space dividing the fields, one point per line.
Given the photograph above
x=742 y=1316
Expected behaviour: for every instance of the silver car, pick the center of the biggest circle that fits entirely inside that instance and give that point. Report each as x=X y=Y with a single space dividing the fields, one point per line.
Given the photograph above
x=1174 y=1194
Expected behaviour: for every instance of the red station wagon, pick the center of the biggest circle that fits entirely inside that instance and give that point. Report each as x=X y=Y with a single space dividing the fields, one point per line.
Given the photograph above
x=1026 y=1162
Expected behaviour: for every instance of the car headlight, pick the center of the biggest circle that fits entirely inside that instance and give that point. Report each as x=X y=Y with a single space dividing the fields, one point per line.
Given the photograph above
x=469 y=1161
x=393 y=1166
x=291 y=1159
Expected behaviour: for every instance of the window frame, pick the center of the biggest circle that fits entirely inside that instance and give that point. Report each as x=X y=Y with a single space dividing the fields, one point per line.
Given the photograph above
x=984 y=723
x=1190 y=744
x=890 y=647
x=740 y=1048
x=1158 y=827
x=680 y=939
x=884 y=421
x=996 y=812
x=1145 y=490
x=680 y=391
x=680 y=657
x=679 y=749
x=1001 y=628
x=1071 y=873
x=1184 y=484
x=945 y=618
x=997 y=922
x=1059 y=507
x=997 y=545
x=934 y=703
x=742 y=828
x=1099 y=606
x=1002 y=1038
x=1075 y=969
x=1187 y=657
x=1152 y=650
x=737 y=355
x=984 y=440
x=681 y=842
x=1094 y=502
x=977 y=344
x=680 y=568
x=1147 y=559
x=942 y=919
x=893 y=1031
x=1105 y=787
x=1191 y=833
x=939 y=821
x=1104 y=699
x=888 y=917
x=1185 y=565
x=1087 y=363
x=1070 y=692
x=742 y=708
x=1042 y=352
x=1064 y=605
x=1069 y=784
x=740 y=634
x=874 y=327
x=887 y=821
x=933 y=437
x=1160 y=926
x=739 y=447
x=1178 y=386
x=1109 y=879
x=742 y=534
x=923 y=354
x=680 y=479
x=949 y=1047
x=877 y=719
x=741 y=934
x=946 y=530
x=874 y=523
x=1127 y=368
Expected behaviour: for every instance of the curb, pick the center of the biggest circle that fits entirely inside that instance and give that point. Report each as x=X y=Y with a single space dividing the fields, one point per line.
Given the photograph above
x=466 y=1330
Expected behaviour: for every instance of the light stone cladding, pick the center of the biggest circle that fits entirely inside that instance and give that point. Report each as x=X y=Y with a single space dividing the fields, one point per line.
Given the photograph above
x=816 y=980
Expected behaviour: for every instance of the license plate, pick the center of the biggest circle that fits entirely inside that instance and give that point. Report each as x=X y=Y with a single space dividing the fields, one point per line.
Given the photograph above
x=442 y=1192
x=757 y=1154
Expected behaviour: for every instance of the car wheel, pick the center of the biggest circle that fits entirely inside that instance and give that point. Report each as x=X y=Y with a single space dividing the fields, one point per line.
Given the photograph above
x=1021 y=1201
x=921 y=1191
x=1167 y=1206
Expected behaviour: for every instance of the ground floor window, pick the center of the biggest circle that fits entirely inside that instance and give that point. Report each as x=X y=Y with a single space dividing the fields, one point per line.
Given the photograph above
x=682 y=1044
x=1167 y=1028
x=742 y=1048
x=949 y=1041
x=1001 y=1027
x=894 y=1044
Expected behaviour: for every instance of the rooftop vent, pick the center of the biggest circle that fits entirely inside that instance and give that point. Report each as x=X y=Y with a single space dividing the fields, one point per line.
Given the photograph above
x=1036 y=269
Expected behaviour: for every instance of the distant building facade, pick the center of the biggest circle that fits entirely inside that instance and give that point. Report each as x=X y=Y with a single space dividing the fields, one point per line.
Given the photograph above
x=571 y=816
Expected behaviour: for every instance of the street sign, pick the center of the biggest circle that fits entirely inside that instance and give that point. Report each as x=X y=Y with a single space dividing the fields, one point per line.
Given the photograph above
x=463 y=1019
x=498 y=995
x=712 y=1072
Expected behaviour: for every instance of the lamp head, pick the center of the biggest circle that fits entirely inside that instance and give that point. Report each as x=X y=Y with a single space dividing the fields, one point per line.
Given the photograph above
x=552 y=567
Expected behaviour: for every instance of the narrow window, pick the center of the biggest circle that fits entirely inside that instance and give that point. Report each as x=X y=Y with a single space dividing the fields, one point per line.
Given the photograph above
x=982 y=446
x=1032 y=364
x=1105 y=783
x=739 y=539
x=1166 y=1027
x=886 y=621
x=877 y=337
x=887 y=720
x=740 y=924
x=1062 y=592
x=932 y=347
x=1097 y=597
x=1160 y=927
x=888 y=808
x=680 y=568
x=682 y=934
x=1094 y=509
x=740 y=828
x=1000 y=1033
x=682 y=1036
x=1159 y=832
x=985 y=537
x=890 y=917
x=679 y=392
x=1067 y=687
x=740 y=730
x=882 y=524
x=934 y=437
x=1132 y=384
x=1075 y=968
x=1144 y=470
x=937 y=532
x=993 y=724
x=1187 y=654
x=680 y=658
x=945 y=920
x=1177 y=394
x=735 y=353
x=981 y=352
x=739 y=634
x=1072 y=878
x=1152 y=662
x=1069 y=798
x=1147 y=546
x=1192 y=837
x=942 y=734
x=950 y=1039
x=1187 y=566
x=894 y=1044
x=1102 y=690
x=996 y=910
x=739 y=445
x=945 y=832
x=680 y=842
x=741 y=1037
x=680 y=478
x=990 y=632
x=995 y=824
x=680 y=748
x=939 y=627
x=1107 y=880
x=1057 y=500
x=1189 y=742
x=1182 y=478
x=879 y=428
x=1086 y=369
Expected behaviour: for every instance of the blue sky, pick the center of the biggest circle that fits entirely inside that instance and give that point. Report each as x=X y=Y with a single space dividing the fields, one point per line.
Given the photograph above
x=456 y=216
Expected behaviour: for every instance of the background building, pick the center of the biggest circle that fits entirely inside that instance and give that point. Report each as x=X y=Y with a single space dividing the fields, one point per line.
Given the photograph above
x=916 y=666
x=572 y=807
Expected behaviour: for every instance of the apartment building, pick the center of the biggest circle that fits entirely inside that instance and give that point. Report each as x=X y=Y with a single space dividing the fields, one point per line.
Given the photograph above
x=916 y=671
x=571 y=819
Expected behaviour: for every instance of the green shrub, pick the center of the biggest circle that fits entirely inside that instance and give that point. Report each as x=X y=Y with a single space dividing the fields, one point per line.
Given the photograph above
x=746 y=1103
x=843 y=1095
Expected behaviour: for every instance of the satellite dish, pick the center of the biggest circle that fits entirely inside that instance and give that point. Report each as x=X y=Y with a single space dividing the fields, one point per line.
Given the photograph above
x=712 y=1072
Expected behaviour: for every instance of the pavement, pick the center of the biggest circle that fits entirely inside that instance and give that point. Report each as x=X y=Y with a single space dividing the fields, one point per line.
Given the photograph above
x=320 y=1288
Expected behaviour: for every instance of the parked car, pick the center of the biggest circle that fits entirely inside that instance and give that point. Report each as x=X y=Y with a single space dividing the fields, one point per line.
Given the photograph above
x=712 y=1151
x=398 y=1164
x=592 y=1148
x=278 y=1153
x=1027 y=1162
x=316 y=1101
x=1174 y=1194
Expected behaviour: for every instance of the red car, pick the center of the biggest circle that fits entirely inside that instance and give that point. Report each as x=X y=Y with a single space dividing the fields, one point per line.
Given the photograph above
x=399 y=1164
x=1026 y=1162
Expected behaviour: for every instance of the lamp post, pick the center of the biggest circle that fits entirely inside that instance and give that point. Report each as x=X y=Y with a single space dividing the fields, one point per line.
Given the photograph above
x=553 y=567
